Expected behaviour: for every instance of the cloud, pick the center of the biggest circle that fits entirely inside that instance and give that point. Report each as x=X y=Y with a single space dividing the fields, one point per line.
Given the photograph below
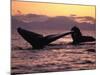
x=86 y=19
x=19 y=12
x=31 y=18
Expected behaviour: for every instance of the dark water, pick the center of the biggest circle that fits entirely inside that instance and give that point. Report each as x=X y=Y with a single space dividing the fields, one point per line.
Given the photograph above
x=59 y=56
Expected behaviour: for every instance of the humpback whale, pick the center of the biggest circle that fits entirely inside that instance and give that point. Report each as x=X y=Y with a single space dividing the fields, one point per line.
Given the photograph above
x=78 y=37
x=38 y=41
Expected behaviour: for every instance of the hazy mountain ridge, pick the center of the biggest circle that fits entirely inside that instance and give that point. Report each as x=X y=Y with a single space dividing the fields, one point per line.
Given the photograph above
x=33 y=21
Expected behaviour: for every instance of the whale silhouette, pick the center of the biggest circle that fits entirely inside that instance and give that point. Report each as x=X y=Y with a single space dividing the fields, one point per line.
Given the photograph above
x=38 y=41
x=78 y=37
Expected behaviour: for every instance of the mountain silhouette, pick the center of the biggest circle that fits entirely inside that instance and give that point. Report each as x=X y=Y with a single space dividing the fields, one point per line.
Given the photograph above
x=42 y=22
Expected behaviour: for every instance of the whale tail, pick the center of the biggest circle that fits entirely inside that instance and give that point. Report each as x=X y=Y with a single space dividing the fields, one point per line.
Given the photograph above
x=78 y=37
x=34 y=39
x=38 y=41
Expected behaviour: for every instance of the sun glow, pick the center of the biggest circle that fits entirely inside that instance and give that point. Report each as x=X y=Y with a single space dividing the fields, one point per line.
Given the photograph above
x=51 y=9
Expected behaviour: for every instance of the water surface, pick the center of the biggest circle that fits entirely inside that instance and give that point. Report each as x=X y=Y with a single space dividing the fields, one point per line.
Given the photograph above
x=58 y=56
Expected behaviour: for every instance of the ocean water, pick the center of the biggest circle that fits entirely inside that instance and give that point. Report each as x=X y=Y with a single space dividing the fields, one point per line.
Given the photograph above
x=58 y=56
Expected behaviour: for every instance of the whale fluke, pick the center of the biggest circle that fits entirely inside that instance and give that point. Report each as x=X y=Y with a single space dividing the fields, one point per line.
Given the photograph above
x=78 y=37
x=39 y=41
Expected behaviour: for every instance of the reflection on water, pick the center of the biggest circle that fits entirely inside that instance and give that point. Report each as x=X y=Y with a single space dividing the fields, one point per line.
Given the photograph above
x=58 y=56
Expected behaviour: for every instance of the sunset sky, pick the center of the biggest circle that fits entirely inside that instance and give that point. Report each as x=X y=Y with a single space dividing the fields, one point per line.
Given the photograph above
x=51 y=9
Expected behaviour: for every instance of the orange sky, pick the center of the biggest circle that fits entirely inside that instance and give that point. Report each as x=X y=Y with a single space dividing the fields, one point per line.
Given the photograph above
x=49 y=9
